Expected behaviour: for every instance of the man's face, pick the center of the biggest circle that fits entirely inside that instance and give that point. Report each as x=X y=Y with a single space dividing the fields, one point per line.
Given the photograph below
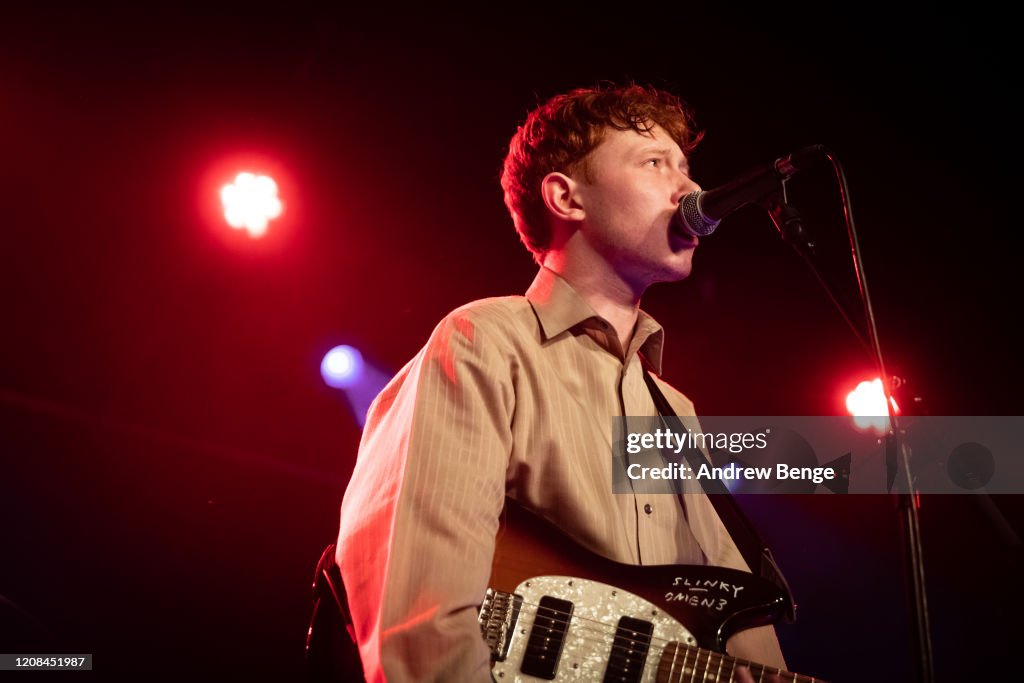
x=629 y=197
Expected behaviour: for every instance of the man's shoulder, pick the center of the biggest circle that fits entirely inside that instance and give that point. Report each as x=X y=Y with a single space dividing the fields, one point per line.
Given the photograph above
x=500 y=316
x=487 y=329
x=493 y=306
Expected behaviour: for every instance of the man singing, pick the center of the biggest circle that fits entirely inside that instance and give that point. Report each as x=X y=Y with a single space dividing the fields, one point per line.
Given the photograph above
x=513 y=397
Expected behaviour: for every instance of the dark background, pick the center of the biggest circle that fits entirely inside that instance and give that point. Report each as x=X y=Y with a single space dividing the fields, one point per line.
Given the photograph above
x=171 y=463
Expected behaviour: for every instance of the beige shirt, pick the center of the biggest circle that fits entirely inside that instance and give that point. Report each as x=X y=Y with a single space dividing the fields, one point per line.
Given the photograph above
x=510 y=396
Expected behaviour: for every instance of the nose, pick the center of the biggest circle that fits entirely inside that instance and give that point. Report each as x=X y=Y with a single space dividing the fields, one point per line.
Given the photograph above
x=685 y=185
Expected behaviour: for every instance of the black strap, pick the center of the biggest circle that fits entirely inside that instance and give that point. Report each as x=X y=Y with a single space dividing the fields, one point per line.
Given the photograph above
x=757 y=555
x=330 y=655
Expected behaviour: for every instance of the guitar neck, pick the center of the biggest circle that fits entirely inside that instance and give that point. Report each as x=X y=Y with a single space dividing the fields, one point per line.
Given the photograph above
x=683 y=664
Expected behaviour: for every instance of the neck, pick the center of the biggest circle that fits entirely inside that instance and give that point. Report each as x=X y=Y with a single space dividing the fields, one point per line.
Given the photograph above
x=603 y=289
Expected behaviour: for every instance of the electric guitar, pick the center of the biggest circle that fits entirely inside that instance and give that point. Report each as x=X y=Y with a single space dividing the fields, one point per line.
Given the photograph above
x=558 y=612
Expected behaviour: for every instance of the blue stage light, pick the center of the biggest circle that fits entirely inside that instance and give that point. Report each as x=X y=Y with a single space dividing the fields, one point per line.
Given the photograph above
x=342 y=367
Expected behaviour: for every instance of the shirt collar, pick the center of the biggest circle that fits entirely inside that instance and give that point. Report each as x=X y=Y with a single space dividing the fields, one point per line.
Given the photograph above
x=559 y=307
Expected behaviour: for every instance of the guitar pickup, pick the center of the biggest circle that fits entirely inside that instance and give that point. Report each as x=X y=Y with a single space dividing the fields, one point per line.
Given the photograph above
x=544 y=647
x=498 y=615
x=629 y=651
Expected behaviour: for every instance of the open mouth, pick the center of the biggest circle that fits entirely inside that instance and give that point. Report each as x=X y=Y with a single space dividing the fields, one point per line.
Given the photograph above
x=683 y=241
x=677 y=228
x=680 y=236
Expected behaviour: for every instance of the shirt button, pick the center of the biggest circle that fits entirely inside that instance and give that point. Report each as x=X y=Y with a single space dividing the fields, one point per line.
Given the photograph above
x=648 y=509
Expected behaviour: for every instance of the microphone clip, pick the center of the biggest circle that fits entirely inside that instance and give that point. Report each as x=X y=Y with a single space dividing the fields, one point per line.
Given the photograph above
x=789 y=222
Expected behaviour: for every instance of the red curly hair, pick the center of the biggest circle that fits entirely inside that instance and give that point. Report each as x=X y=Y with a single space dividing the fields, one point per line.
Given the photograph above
x=562 y=132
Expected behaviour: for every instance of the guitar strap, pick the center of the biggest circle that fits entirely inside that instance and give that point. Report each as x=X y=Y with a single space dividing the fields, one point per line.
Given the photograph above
x=757 y=555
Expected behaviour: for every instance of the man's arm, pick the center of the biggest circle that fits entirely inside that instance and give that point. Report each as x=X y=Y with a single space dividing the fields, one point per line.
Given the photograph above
x=420 y=515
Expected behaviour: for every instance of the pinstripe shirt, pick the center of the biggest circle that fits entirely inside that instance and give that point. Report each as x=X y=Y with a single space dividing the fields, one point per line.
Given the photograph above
x=512 y=397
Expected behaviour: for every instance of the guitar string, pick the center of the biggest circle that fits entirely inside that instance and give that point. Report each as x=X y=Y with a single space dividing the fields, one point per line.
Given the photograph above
x=606 y=631
x=604 y=628
x=599 y=627
x=722 y=660
x=693 y=670
x=655 y=642
x=726 y=663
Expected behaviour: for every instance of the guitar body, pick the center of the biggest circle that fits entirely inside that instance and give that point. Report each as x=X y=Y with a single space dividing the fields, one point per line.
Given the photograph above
x=557 y=611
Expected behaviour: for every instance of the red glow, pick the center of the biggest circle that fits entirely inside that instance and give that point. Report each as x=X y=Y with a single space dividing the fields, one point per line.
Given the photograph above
x=251 y=202
x=221 y=168
x=866 y=404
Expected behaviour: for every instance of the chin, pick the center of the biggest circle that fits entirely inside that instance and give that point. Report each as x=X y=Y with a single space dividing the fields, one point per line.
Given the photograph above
x=681 y=274
x=681 y=266
x=674 y=273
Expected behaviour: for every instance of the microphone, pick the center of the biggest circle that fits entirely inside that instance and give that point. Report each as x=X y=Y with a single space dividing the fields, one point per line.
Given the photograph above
x=700 y=212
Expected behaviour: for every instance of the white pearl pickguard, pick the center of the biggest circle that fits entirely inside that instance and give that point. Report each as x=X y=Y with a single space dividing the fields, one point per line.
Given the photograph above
x=596 y=612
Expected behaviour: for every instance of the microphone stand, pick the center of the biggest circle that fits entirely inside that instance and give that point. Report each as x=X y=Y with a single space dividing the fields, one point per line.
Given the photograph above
x=788 y=221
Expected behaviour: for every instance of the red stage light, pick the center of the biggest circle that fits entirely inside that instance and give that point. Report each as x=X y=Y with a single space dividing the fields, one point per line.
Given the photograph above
x=866 y=404
x=251 y=202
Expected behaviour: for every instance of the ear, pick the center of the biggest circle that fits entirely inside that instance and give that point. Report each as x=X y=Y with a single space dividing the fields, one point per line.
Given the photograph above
x=560 y=195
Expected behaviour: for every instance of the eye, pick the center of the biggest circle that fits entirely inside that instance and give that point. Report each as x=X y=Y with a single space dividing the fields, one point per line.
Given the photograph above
x=655 y=162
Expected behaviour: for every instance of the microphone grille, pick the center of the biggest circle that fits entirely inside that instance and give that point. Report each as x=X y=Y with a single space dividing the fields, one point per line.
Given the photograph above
x=693 y=219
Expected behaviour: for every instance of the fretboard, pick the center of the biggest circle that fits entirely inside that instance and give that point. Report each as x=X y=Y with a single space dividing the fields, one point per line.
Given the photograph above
x=685 y=664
